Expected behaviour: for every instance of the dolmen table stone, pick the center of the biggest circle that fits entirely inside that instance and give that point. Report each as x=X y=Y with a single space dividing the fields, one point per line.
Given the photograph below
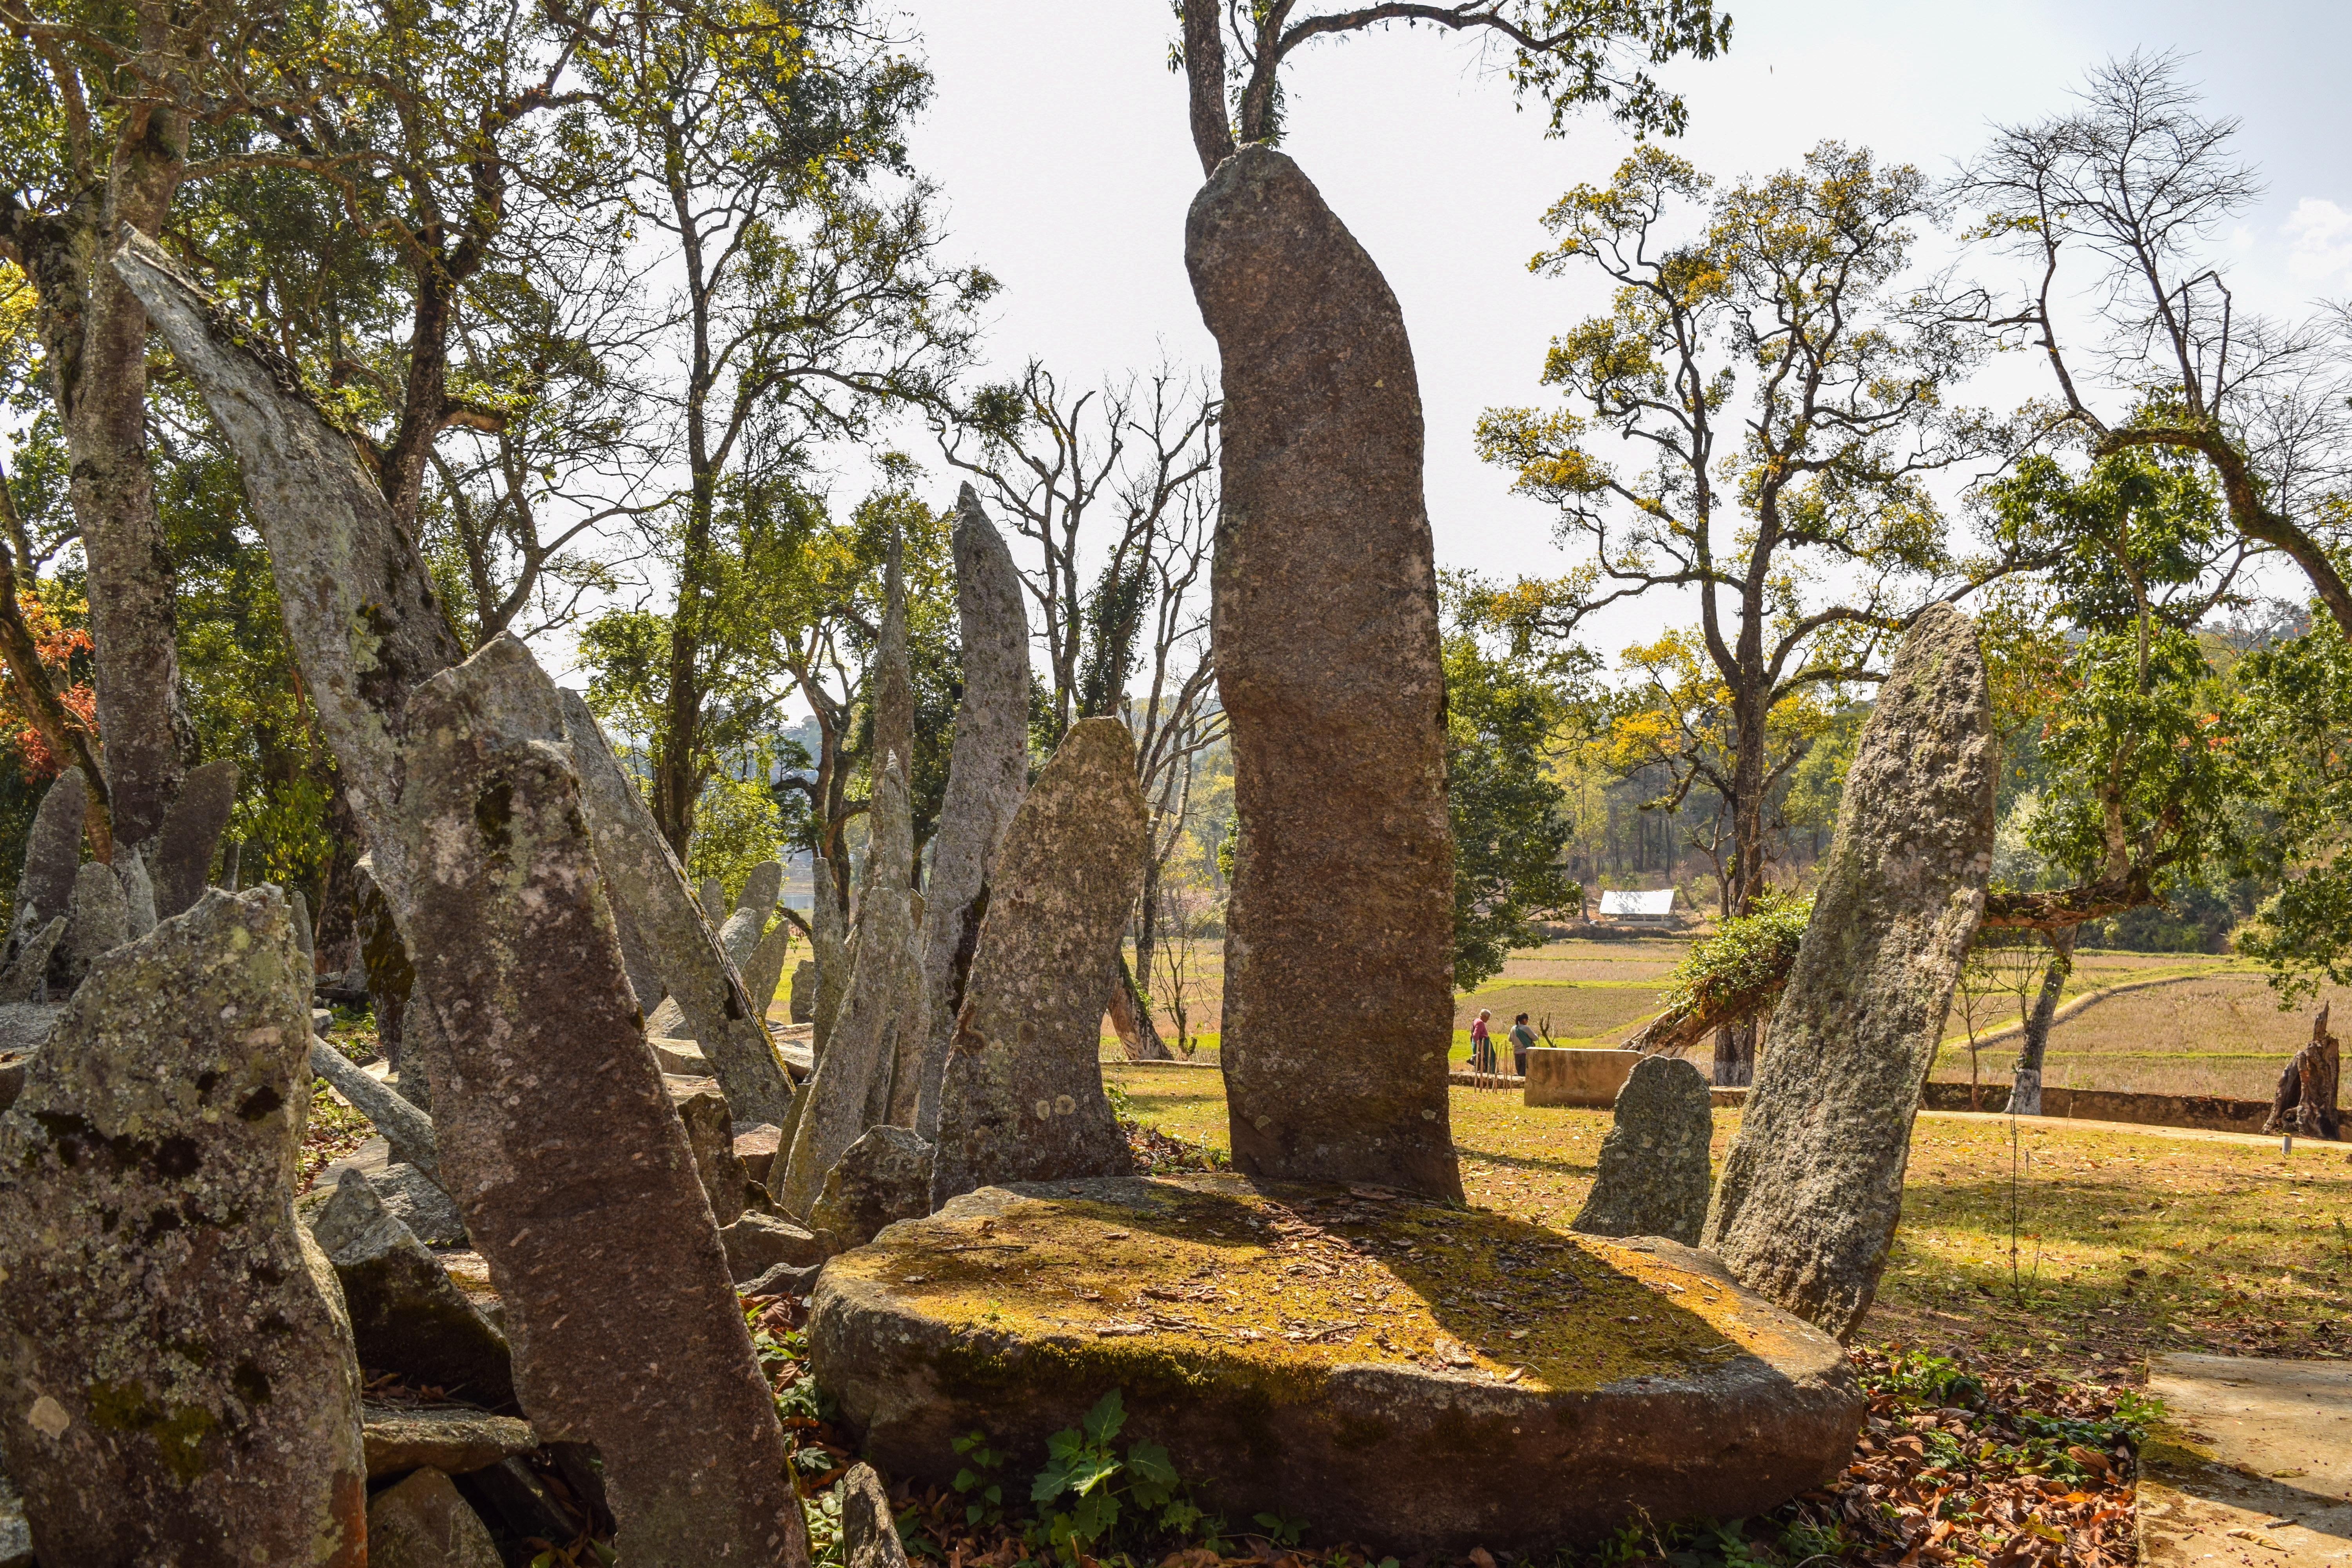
x=1307 y=1348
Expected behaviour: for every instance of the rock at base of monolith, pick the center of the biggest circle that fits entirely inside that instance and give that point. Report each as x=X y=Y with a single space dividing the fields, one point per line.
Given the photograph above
x=885 y=1177
x=758 y=1242
x=451 y=1438
x=711 y=1135
x=414 y=1199
x=988 y=772
x=423 y=1523
x=407 y=1315
x=803 y=996
x=1338 y=1002
x=1654 y=1164
x=98 y=921
x=869 y=1529
x=587 y=1207
x=1022 y=1097
x=178 y=1370
x=1646 y=1374
x=1811 y=1191
x=180 y=856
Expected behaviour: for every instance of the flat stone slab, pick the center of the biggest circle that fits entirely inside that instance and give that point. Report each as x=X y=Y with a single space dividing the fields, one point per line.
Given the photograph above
x=451 y=1438
x=1398 y=1374
x=1557 y=1076
x=2253 y=1461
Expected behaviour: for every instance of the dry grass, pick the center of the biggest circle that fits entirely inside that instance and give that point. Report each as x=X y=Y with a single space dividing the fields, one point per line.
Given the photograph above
x=2238 y=1250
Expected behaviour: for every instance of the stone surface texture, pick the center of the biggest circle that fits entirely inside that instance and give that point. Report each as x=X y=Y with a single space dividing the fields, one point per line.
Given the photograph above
x=52 y=855
x=417 y=1201
x=179 y=1384
x=1654 y=1176
x=1811 y=1191
x=98 y=922
x=1021 y=1098
x=642 y=873
x=1657 y=1383
x=383 y=959
x=710 y=1134
x=761 y=885
x=587 y=1206
x=885 y=1177
x=803 y=1002
x=181 y=855
x=24 y=981
x=407 y=1315
x=869 y=1529
x=452 y=1439
x=988 y=772
x=765 y=968
x=1339 y=1001
x=408 y=1129
x=826 y=923
x=422 y=1522
x=758 y=1242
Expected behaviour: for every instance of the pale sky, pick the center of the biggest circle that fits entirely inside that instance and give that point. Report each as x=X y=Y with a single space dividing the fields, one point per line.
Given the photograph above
x=1058 y=137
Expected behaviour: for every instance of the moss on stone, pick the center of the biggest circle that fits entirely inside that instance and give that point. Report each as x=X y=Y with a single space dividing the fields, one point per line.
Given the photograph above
x=1215 y=1279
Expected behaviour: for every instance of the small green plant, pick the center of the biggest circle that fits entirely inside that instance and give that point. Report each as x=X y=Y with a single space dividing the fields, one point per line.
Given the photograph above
x=1281 y=1529
x=1081 y=1465
x=977 y=1480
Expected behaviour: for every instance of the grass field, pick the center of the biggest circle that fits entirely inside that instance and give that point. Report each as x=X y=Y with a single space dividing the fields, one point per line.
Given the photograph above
x=2127 y=1243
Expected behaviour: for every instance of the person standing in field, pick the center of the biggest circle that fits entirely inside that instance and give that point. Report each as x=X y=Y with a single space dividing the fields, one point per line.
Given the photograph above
x=1482 y=1048
x=1523 y=1040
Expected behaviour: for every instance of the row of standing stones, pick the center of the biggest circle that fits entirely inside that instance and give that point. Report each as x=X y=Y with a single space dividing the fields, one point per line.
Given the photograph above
x=185 y=1344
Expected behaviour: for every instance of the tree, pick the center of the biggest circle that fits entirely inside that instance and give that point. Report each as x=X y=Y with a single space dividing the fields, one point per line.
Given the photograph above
x=1786 y=299
x=2139 y=184
x=1569 y=53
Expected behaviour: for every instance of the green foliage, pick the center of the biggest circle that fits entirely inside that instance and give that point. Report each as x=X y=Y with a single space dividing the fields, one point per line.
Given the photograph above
x=1103 y=1488
x=2292 y=759
x=736 y=826
x=1741 y=970
x=977 y=1480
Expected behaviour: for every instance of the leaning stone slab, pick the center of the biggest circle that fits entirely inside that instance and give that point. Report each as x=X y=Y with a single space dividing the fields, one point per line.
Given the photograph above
x=988 y=772
x=452 y=1439
x=869 y=1529
x=1021 y=1098
x=683 y=946
x=757 y=1242
x=1338 y=979
x=25 y=979
x=182 y=854
x=98 y=922
x=179 y=1373
x=423 y=1523
x=1654 y=1176
x=52 y=856
x=408 y=1129
x=762 y=886
x=407 y=1316
x=1648 y=1381
x=884 y=1178
x=765 y=967
x=1811 y=1191
x=383 y=957
x=586 y=1206
x=739 y=935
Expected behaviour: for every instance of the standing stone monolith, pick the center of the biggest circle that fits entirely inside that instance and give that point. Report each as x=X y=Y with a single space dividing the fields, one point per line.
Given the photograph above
x=765 y=967
x=803 y=1003
x=179 y=1381
x=383 y=959
x=98 y=921
x=181 y=858
x=1022 y=1098
x=739 y=936
x=587 y=1206
x=52 y=854
x=1338 y=1004
x=684 y=948
x=713 y=896
x=850 y=1090
x=988 y=772
x=1654 y=1176
x=828 y=926
x=761 y=885
x=1812 y=1190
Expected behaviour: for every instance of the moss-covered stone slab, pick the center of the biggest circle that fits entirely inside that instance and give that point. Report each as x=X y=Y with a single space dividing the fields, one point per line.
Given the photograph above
x=1401 y=1374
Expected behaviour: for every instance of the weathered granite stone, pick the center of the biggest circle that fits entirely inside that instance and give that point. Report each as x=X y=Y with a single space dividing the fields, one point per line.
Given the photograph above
x=988 y=772
x=1649 y=1381
x=98 y=921
x=757 y=1242
x=1654 y=1162
x=765 y=967
x=408 y=1129
x=891 y=678
x=803 y=1002
x=756 y=1146
x=183 y=849
x=423 y=1523
x=1022 y=1098
x=390 y=976
x=139 y=892
x=1338 y=1000
x=179 y=1385
x=644 y=976
x=52 y=854
x=761 y=885
x=417 y=1201
x=1811 y=1191
x=642 y=873
x=739 y=936
x=869 y=1531
x=668 y=1021
x=827 y=922
x=883 y=1178
x=303 y=938
x=25 y=979
x=407 y=1315
x=586 y=1206
x=795 y=1280
x=16 y=1534
x=713 y=894
x=452 y=1439
x=851 y=1090
x=710 y=1134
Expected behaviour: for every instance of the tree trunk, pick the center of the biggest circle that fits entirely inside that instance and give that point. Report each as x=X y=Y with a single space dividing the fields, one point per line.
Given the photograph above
x=1130 y=1018
x=2026 y=1090
x=1734 y=1056
x=59 y=729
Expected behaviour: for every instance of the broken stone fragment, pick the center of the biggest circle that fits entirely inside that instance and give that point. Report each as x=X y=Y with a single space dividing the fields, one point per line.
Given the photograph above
x=407 y=1315
x=1813 y=1186
x=24 y=980
x=98 y=921
x=1654 y=1162
x=758 y=1242
x=784 y=1279
x=180 y=856
x=178 y=1367
x=1339 y=999
x=1021 y=1098
x=885 y=1177
x=414 y=1199
x=756 y=1146
x=450 y=1439
x=869 y=1529
x=423 y=1522
x=711 y=1135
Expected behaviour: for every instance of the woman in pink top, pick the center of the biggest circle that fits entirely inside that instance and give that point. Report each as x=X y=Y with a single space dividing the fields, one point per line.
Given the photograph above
x=1482 y=1048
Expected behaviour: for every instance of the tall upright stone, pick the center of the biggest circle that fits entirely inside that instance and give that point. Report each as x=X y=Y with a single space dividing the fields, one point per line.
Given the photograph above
x=988 y=772
x=668 y=916
x=181 y=858
x=586 y=1205
x=179 y=1384
x=765 y=968
x=1653 y=1178
x=384 y=959
x=98 y=921
x=1022 y=1099
x=1811 y=1192
x=52 y=853
x=832 y=940
x=1338 y=975
x=761 y=885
